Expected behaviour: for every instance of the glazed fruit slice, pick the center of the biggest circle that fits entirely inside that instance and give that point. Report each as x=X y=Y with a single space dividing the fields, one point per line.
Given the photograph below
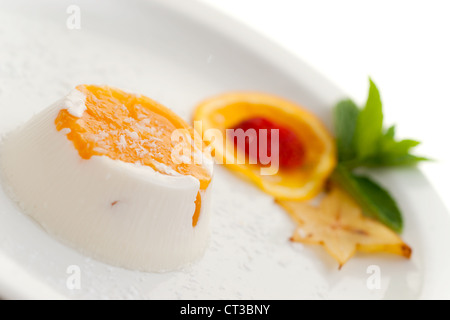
x=306 y=148
x=338 y=225
x=133 y=129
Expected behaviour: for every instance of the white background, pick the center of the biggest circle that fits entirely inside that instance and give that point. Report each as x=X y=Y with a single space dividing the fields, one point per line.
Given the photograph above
x=404 y=45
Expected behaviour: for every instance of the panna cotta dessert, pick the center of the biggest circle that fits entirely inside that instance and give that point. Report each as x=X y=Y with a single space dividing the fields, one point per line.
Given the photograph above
x=109 y=173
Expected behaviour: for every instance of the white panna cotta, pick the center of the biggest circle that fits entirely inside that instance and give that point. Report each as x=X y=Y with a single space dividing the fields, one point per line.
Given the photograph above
x=107 y=191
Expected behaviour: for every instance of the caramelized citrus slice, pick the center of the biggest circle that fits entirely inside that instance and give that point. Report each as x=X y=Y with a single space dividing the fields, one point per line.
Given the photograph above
x=236 y=109
x=130 y=128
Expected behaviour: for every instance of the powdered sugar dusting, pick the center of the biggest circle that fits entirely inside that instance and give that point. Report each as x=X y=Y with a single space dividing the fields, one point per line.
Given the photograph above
x=165 y=169
x=75 y=103
x=66 y=131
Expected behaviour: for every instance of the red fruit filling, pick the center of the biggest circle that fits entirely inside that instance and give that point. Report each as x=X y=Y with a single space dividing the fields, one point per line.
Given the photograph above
x=291 y=150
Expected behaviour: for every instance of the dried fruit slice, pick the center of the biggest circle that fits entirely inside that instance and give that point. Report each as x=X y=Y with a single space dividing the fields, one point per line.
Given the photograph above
x=339 y=225
x=300 y=179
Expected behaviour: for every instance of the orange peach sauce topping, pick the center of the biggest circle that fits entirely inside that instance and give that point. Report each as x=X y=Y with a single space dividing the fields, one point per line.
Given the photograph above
x=130 y=128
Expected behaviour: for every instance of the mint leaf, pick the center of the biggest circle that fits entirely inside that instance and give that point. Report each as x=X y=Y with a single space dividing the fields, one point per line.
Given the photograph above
x=390 y=133
x=398 y=147
x=393 y=153
x=392 y=160
x=388 y=144
x=379 y=203
x=362 y=142
x=375 y=201
x=345 y=116
x=369 y=124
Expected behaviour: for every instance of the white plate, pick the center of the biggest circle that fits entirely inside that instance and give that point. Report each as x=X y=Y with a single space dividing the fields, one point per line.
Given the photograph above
x=179 y=52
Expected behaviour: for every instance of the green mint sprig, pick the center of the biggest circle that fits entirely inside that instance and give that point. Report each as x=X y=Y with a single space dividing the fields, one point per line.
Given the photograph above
x=362 y=141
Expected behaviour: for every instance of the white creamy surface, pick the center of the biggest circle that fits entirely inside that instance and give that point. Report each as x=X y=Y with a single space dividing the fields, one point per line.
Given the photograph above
x=249 y=255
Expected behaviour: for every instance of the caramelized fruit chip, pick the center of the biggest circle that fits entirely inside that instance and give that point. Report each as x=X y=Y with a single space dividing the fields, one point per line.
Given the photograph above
x=339 y=225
